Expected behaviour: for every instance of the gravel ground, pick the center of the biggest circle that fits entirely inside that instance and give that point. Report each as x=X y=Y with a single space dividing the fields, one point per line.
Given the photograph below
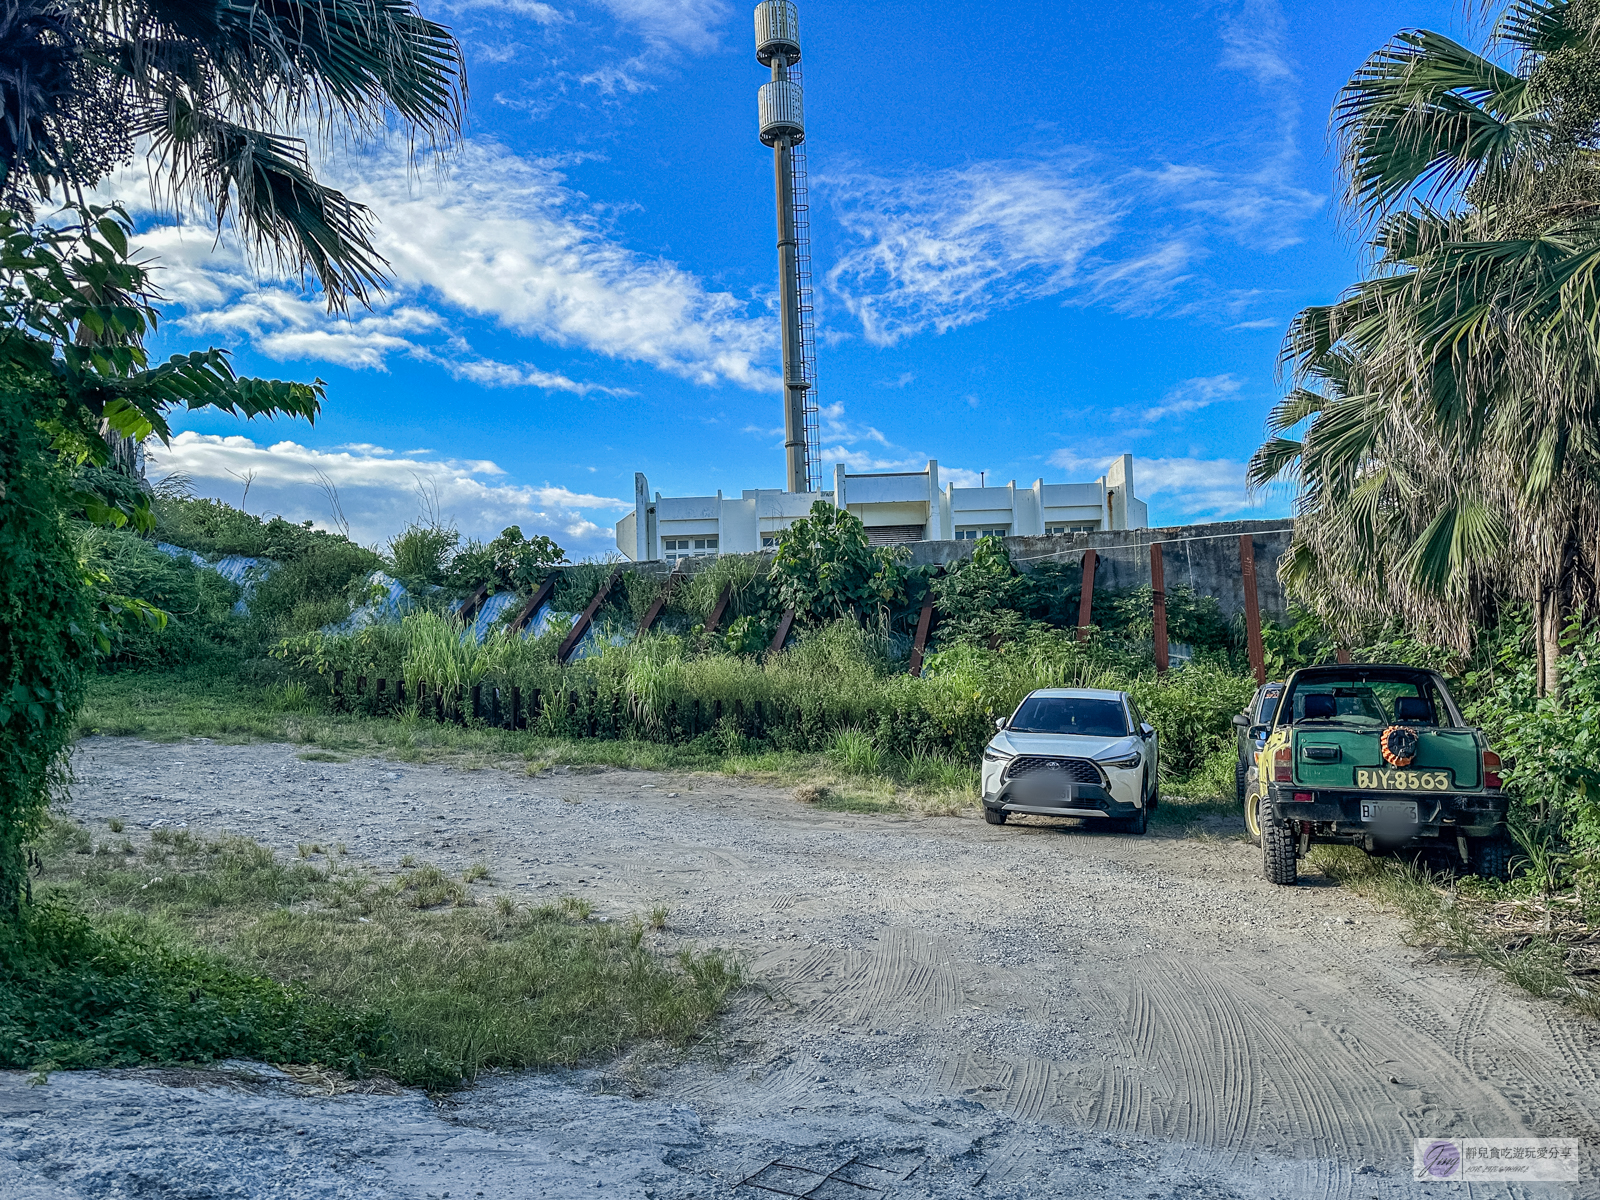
x=1027 y=1010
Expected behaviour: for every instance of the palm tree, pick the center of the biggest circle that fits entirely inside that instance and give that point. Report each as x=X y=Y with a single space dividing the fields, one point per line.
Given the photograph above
x=1453 y=398
x=217 y=96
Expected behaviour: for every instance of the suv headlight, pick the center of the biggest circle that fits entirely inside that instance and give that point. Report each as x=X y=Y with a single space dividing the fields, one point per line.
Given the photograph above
x=990 y=754
x=1122 y=762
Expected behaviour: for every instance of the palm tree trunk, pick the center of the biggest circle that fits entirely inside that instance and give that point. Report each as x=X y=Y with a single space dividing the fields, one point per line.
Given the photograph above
x=1549 y=635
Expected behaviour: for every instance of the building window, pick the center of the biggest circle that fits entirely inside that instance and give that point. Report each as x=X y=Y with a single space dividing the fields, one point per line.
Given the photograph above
x=769 y=541
x=676 y=548
x=972 y=535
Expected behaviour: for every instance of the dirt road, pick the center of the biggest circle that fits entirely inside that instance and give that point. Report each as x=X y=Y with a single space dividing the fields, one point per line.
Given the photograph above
x=1011 y=1003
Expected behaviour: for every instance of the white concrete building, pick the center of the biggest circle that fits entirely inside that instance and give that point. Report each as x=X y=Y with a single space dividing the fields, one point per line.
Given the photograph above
x=904 y=506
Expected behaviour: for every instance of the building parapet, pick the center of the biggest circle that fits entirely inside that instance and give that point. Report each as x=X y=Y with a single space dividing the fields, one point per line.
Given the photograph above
x=897 y=507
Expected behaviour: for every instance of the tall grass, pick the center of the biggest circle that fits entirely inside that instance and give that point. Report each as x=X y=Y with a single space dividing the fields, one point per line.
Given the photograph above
x=196 y=950
x=841 y=678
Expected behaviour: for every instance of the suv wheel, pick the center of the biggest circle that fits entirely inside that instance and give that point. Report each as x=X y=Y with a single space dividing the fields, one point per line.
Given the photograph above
x=1252 y=817
x=1490 y=858
x=1277 y=852
x=994 y=816
x=1241 y=780
x=1139 y=822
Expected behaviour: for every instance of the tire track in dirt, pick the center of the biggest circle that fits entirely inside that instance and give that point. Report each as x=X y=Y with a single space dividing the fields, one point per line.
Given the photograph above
x=1125 y=987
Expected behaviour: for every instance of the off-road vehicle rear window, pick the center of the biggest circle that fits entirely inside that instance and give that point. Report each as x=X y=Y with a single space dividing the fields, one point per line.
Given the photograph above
x=1370 y=699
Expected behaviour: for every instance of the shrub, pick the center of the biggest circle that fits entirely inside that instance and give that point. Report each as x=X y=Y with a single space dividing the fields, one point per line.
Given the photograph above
x=198 y=603
x=73 y=995
x=47 y=625
x=824 y=569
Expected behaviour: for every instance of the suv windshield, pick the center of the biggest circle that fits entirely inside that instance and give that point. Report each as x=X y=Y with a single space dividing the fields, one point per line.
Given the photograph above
x=1369 y=700
x=1070 y=714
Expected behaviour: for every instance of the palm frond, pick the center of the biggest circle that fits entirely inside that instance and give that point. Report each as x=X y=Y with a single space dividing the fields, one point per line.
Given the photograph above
x=1424 y=115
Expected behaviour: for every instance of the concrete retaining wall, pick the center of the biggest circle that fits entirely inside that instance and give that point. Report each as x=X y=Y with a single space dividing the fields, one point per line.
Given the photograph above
x=1204 y=557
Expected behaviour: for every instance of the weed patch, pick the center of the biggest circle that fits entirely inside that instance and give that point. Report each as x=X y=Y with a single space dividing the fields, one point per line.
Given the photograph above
x=1543 y=944
x=203 y=949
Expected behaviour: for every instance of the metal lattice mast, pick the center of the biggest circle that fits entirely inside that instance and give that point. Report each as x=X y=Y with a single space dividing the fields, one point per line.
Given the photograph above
x=808 y=327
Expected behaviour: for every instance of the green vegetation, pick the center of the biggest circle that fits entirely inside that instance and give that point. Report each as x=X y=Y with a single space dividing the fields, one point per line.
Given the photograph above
x=1538 y=936
x=1450 y=450
x=226 y=102
x=74 y=310
x=194 y=950
x=1445 y=440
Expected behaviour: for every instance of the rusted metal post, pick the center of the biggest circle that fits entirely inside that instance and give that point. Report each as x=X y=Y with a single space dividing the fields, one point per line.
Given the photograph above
x=540 y=598
x=919 y=644
x=470 y=609
x=721 y=607
x=785 y=624
x=1158 y=591
x=1343 y=655
x=581 y=625
x=1252 y=607
x=516 y=708
x=1086 y=598
x=653 y=613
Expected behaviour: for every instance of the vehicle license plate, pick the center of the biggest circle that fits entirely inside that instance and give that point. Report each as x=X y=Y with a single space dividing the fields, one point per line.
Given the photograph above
x=1389 y=810
x=1403 y=781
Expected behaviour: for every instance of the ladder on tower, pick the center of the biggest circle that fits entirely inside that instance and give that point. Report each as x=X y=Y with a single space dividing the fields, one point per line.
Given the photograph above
x=808 y=330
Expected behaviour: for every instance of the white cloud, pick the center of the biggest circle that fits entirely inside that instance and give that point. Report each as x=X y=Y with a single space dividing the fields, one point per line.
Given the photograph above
x=494 y=235
x=1189 y=396
x=1186 y=489
x=1262 y=207
x=689 y=24
x=937 y=250
x=532 y=10
x=379 y=490
x=504 y=237
x=1255 y=39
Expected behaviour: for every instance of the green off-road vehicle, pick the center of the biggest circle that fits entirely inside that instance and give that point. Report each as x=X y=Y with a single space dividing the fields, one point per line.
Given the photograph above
x=1378 y=757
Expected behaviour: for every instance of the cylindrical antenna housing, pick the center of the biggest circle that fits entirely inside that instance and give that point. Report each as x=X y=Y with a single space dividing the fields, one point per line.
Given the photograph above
x=782 y=112
x=777 y=31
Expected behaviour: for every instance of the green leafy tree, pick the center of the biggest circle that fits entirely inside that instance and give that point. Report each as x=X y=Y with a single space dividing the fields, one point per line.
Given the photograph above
x=73 y=312
x=511 y=561
x=1450 y=403
x=981 y=599
x=221 y=93
x=823 y=568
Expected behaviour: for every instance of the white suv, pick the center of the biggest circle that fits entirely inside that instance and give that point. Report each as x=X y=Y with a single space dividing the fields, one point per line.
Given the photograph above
x=1073 y=752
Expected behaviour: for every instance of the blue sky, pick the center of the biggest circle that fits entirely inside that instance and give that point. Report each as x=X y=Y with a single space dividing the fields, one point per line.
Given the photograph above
x=1043 y=235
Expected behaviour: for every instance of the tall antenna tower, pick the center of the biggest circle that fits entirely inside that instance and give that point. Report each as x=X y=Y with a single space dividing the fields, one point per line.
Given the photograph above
x=783 y=128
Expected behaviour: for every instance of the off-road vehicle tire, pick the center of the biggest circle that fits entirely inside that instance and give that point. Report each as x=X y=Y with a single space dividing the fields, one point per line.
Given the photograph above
x=1137 y=823
x=994 y=816
x=1277 y=853
x=1241 y=780
x=1490 y=858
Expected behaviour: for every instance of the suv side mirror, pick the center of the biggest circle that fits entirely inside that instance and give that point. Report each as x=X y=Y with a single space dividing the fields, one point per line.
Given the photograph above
x=1147 y=731
x=1260 y=731
x=1240 y=721
x=999 y=722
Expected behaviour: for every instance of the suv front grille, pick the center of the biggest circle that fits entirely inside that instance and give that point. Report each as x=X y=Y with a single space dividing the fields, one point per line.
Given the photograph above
x=1072 y=770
